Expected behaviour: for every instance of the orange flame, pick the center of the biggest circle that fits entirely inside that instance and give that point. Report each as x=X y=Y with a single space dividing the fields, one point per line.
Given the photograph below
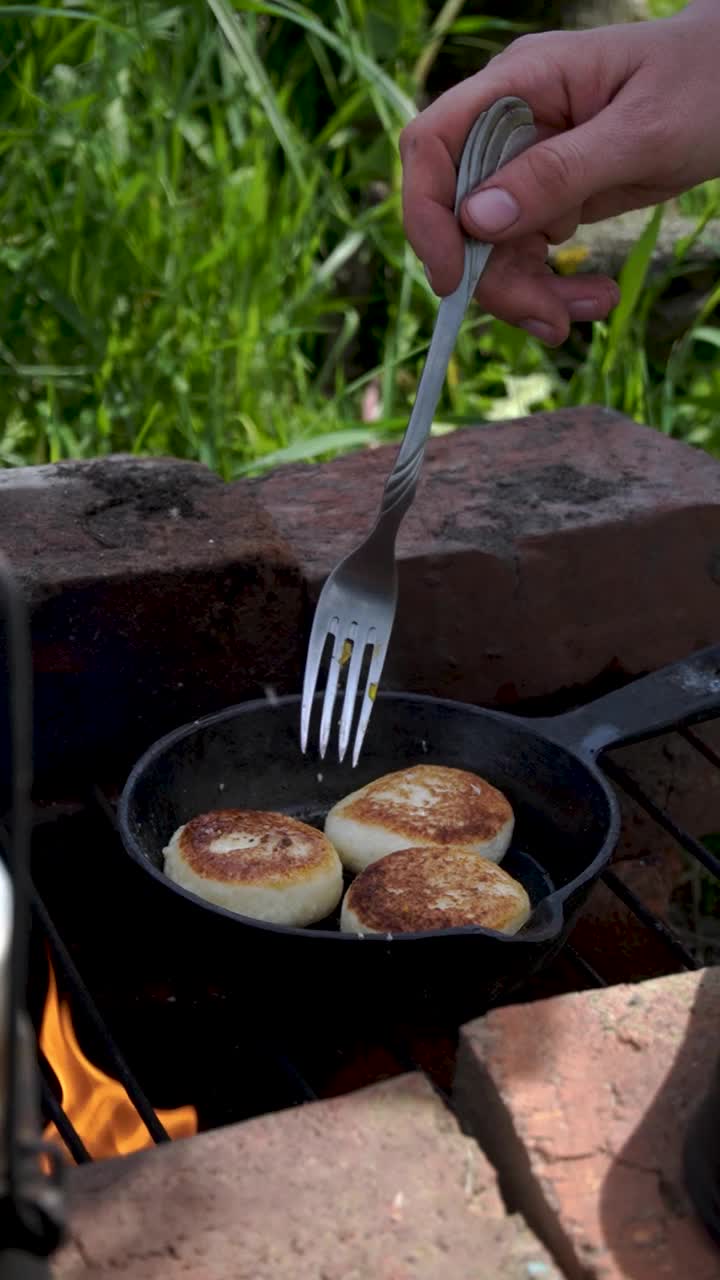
x=97 y=1105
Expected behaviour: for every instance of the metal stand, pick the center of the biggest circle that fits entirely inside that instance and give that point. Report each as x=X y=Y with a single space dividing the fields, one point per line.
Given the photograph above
x=31 y=1204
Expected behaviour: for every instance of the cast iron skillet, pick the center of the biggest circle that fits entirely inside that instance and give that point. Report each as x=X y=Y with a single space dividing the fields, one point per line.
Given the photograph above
x=566 y=830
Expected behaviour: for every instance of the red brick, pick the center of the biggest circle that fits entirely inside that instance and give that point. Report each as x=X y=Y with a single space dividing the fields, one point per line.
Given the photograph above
x=158 y=593
x=378 y=1185
x=582 y=1103
x=539 y=554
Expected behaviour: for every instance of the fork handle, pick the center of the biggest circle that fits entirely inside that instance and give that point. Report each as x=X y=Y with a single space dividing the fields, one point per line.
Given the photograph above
x=498 y=135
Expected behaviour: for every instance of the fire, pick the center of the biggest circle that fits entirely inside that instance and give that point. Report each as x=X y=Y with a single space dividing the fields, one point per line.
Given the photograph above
x=97 y=1105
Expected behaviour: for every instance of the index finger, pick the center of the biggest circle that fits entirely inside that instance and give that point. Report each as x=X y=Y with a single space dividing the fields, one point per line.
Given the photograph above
x=431 y=146
x=428 y=196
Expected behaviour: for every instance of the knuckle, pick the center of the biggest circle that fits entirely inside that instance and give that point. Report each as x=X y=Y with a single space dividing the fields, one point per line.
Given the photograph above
x=410 y=137
x=527 y=44
x=652 y=129
x=554 y=168
x=536 y=45
x=520 y=53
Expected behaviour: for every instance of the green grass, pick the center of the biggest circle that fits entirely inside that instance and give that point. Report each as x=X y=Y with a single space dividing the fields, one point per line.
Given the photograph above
x=202 y=253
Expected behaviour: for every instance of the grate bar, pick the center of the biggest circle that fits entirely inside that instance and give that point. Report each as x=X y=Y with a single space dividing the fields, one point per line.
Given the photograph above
x=702 y=747
x=63 y=1124
x=582 y=966
x=123 y=1073
x=683 y=837
x=648 y=918
x=105 y=805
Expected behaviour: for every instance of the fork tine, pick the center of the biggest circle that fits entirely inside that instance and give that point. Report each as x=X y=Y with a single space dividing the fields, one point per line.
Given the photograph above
x=377 y=663
x=351 y=688
x=316 y=648
x=341 y=639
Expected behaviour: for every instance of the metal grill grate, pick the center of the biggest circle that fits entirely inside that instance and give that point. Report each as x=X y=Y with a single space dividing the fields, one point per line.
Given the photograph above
x=299 y=1088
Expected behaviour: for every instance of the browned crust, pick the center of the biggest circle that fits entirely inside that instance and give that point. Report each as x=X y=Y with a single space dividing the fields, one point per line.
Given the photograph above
x=464 y=807
x=285 y=848
x=399 y=893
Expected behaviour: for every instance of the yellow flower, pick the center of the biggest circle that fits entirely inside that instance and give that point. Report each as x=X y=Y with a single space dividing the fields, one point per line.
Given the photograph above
x=567 y=261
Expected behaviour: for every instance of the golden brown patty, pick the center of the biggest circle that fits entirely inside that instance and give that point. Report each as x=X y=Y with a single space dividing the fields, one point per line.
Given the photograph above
x=426 y=804
x=433 y=888
x=264 y=865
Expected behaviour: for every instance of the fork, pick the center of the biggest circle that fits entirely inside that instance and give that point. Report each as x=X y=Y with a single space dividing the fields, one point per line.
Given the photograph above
x=357 y=604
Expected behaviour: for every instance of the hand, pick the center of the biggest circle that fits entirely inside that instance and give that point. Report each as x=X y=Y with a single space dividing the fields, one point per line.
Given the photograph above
x=627 y=116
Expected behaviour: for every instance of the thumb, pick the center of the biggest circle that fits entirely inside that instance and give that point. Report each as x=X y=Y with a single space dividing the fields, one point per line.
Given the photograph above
x=553 y=178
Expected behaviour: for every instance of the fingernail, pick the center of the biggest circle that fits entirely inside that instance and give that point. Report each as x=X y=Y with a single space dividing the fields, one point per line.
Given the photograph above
x=540 y=330
x=586 y=309
x=493 y=210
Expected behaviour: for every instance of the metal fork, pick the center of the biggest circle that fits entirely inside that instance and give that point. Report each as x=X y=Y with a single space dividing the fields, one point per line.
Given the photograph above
x=356 y=608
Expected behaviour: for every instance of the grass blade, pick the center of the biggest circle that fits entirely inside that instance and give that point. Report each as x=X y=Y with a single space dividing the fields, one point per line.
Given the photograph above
x=258 y=82
x=313 y=447
x=632 y=281
x=371 y=71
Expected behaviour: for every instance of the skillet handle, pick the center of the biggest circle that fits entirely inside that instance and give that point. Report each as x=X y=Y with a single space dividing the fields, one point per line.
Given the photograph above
x=679 y=694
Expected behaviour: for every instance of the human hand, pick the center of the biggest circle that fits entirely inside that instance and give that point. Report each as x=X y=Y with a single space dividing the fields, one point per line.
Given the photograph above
x=627 y=116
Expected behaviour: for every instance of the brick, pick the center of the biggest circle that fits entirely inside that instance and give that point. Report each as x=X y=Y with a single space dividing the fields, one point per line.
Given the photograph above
x=158 y=593
x=582 y=1102
x=378 y=1185
x=539 y=556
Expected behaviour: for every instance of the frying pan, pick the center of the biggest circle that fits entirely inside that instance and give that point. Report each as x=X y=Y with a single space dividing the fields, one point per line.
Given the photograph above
x=567 y=825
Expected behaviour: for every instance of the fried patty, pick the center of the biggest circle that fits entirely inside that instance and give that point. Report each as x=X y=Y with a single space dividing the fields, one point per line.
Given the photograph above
x=263 y=865
x=423 y=888
x=426 y=804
